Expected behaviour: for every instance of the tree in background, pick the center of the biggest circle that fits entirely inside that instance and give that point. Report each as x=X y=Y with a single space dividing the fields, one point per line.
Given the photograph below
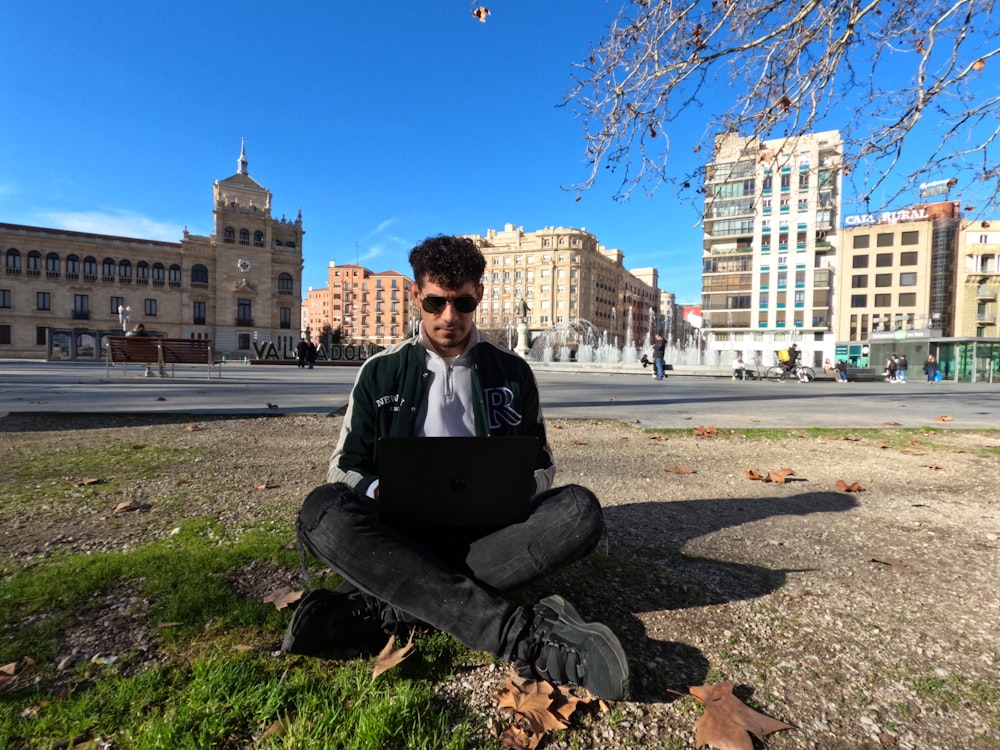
x=882 y=72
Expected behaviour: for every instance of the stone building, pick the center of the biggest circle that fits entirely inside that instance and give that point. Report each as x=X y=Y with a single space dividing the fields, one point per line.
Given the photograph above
x=62 y=291
x=561 y=276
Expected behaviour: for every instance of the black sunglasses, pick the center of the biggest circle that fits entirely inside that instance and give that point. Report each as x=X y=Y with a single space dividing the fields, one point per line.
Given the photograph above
x=435 y=305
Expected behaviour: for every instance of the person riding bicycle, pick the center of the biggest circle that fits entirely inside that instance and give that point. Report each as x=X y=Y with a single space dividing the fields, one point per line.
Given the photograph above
x=793 y=358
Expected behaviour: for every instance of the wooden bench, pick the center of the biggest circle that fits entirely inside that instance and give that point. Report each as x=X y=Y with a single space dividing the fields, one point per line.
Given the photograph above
x=188 y=352
x=150 y=351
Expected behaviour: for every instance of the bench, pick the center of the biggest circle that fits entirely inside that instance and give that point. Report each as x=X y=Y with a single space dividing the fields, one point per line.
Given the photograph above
x=150 y=350
x=858 y=374
x=188 y=352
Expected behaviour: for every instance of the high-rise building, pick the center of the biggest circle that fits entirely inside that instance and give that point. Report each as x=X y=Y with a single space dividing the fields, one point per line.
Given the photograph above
x=978 y=281
x=61 y=291
x=770 y=246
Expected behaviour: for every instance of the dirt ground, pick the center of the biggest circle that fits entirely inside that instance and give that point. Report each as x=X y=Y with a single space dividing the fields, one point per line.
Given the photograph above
x=865 y=618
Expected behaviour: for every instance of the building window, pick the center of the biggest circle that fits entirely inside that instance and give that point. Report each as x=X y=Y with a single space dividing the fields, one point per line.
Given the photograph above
x=243 y=341
x=108 y=269
x=883 y=300
x=142 y=272
x=34 y=263
x=117 y=302
x=41 y=335
x=859 y=261
x=908 y=299
x=150 y=307
x=285 y=317
x=883 y=260
x=244 y=236
x=883 y=239
x=908 y=278
x=883 y=279
x=199 y=313
x=4 y=334
x=174 y=275
x=5 y=298
x=157 y=274
x=244 y=316
x=859 y=300
x=90 y=268
x=286 y=283
x=81 y=307
x=861 y=241
x=72 y=266
x=13 y=260
x=229 y=236
x=859 y=281
x=52 y=264
x=908 y=258
x=258 y=239
x=909 y=238
x=43 y=300
x=199 y=274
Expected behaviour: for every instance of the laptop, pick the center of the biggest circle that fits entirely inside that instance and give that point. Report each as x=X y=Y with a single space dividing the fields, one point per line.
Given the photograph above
x=455 y=481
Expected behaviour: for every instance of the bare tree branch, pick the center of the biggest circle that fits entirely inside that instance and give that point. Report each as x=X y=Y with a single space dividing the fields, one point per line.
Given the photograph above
x=892 y=76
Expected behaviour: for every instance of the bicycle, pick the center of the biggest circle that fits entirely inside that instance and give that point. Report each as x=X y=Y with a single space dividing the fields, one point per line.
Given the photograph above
x=778 y=374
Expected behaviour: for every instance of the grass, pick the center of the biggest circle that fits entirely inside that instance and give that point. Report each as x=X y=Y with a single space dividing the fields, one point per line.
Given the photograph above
x=213 y=691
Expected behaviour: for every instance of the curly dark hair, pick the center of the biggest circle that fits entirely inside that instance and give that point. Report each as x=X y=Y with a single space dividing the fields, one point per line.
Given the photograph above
x=447 y=261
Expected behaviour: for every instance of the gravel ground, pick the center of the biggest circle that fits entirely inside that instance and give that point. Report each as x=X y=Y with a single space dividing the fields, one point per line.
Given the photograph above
x=866 y=619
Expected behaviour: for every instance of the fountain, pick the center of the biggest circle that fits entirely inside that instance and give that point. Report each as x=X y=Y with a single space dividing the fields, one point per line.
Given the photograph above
x=580 y=342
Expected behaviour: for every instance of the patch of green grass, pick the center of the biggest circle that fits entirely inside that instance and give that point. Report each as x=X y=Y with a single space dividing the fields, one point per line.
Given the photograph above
x=184 y=578
x=227 y=699
x=954 y=691
x=215 y=690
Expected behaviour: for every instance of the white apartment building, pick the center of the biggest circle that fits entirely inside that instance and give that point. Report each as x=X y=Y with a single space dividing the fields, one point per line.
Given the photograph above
x=770 y=246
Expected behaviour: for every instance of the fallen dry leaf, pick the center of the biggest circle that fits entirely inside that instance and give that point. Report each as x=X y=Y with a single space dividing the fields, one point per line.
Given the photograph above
x=129 y=505
x=896 y=564
x=706 y=431
x=264 y=486
x=943 y=418
x=727 y=722
x=192 y=427
x=751 y=474
x=538 y=706
x=160 y=398
x=780 y=476
x=390 y=656
x=282 y=597
x=679 y=469
x=843 y=486
x=852 y=437
x=82 y=481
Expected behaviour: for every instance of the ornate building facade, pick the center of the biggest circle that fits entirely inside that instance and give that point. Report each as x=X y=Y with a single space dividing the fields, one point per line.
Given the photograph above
x=62 y=291
x=562 y=275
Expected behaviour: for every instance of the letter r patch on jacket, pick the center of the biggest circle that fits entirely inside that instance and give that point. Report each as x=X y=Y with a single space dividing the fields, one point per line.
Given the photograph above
x=499 y=407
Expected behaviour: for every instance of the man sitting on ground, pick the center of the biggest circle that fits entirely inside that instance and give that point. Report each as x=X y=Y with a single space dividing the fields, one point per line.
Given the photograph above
x=447 y=381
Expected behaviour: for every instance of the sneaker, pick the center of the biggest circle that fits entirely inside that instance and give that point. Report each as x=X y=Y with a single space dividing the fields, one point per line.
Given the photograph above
x=329 y=622
x=561 y=648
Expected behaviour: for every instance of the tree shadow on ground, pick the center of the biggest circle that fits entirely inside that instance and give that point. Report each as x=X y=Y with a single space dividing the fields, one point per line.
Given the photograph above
x=628 y=580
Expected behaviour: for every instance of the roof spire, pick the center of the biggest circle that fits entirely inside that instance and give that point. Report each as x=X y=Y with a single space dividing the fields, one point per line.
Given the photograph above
x=242 y=162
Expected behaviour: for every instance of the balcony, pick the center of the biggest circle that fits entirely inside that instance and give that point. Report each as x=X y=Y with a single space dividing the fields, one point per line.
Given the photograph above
x=81 y=315
x=986 y=319
x=984 y=295
x=244 y=322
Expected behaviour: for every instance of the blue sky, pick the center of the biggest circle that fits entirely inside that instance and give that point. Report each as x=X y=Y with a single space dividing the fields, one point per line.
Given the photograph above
x=385 y=123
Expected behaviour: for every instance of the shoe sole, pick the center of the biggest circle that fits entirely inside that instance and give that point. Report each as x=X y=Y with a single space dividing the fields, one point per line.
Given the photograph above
x=602 y=641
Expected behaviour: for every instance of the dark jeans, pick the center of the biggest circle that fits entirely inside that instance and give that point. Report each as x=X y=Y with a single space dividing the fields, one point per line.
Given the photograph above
x=658 y=364
x=447 y=579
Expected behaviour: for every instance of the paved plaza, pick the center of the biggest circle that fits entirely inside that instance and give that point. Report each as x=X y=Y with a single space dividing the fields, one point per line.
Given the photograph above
x=680 y=401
